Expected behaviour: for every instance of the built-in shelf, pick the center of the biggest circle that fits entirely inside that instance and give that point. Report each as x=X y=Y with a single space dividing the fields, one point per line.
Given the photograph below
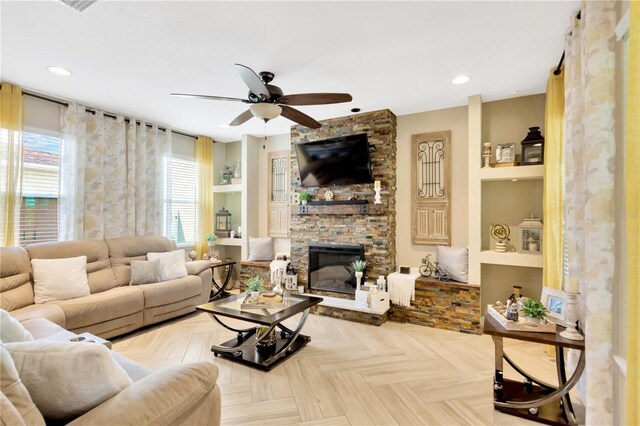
x=511 y=173
x=511 y=259
x=229 y=242
x=221 y=189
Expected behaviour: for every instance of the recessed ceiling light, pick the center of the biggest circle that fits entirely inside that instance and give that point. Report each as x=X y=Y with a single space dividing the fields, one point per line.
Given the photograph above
x=461 y=79
x=59 y=71
x=224 y=126
x=515 y=92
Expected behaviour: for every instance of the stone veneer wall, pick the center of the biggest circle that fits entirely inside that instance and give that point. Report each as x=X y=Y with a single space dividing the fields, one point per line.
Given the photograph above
x=448 y=305
x=377 y=232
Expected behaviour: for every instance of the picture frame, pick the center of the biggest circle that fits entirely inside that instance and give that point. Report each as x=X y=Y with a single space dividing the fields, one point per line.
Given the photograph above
x=556 y=303
x=506 y=153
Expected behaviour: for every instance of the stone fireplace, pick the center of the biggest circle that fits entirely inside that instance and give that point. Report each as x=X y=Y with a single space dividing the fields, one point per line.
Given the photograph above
x=373 y=228
x=330 y=270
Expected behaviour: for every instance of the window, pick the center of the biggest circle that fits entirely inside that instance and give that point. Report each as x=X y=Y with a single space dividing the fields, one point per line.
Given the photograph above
x=278 y=205
x=181 y=201
x=40 y=188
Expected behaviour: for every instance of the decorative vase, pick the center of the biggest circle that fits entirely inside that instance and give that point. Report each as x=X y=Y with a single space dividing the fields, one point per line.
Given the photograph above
x=269 y=340
x=237 y=173
x=303 y=202
x=512 y=312
x=516 y=295
x=359 y=275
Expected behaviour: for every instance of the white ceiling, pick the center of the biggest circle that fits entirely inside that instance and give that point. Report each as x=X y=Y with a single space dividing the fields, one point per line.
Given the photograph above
x=128 y=56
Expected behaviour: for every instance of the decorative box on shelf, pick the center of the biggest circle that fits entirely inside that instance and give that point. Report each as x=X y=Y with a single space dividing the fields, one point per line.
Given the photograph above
x=522 y=324
x=380 y=301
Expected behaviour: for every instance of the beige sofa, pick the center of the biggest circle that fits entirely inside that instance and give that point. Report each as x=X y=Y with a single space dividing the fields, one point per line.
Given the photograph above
x=113 y=307
x=186 y=394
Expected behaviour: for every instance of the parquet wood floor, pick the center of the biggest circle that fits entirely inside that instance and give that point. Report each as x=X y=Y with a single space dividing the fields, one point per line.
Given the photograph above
x=349 y=374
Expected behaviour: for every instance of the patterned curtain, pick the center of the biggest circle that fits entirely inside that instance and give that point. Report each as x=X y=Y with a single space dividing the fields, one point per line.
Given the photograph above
x=632 y=207
x=112 y=176
x=589 y=192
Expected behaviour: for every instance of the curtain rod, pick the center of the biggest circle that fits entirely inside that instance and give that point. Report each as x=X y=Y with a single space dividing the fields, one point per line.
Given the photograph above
x=557 y=71
x=93 y=111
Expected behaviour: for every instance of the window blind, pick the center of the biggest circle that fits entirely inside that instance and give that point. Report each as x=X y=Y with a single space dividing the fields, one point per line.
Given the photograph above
x=40 y=189
x=181 y=207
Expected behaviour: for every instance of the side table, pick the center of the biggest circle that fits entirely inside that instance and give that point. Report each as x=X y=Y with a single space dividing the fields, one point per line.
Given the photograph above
x=531 y=398
x=219 y=291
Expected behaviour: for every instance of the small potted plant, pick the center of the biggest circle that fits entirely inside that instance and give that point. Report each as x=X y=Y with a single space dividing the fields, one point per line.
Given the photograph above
x=255 y=285
x=304 y=197
x=359 y=266
x=534 y=310
x=211 y=239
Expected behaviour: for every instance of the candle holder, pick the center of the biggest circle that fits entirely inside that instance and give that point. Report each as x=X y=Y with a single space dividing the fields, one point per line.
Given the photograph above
x=486 y=154
x=571 y=317
x=378 y=199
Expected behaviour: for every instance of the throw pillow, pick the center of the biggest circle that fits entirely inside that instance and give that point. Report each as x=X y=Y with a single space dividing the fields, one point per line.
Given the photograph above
x=145 y=271
x=456 y=260
x=67 y=379
x=59 y=279
x=260 y=249
x=11 y=330
x=172 y=264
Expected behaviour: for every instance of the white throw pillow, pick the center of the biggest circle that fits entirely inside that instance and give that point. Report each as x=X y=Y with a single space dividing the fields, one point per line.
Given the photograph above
x=67 y=379
x=260 y=249
x=11 y=330
x=172 y=264
x=59 y=279
x=456 y=260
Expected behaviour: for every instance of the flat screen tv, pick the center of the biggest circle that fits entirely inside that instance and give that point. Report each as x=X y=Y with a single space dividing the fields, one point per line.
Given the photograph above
x=337 y=161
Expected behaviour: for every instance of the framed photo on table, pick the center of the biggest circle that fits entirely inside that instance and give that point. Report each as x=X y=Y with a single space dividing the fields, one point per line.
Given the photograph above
x=556 y=303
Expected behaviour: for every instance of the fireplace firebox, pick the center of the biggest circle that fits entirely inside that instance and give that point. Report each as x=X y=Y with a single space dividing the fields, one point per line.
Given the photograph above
x=329 y=267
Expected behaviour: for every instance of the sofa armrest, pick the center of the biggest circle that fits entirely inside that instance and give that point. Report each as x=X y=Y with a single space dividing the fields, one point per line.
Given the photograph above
x=197 y=266
x=177 y=395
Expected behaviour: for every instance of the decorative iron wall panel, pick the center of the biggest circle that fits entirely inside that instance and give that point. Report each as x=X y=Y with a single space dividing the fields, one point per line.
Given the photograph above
x=431 y=188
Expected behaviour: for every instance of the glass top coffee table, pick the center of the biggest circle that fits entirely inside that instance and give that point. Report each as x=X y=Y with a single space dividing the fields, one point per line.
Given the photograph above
x=274 y=342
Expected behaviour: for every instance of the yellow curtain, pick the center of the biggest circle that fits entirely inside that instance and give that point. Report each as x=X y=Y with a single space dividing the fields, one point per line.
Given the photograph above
x=552 y=238
x=553 y=181
x=632 y=206
x=204 y=160
x=11 y=110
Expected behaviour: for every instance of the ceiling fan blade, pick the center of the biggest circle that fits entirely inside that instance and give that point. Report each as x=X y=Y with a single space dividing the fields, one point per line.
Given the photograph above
x=299 y=117
x=242 y=118
x=210 y=97
x=315 y=98
x=252 y=80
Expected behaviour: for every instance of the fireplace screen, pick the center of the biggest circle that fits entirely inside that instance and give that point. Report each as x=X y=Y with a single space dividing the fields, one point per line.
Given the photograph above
x=330 y=267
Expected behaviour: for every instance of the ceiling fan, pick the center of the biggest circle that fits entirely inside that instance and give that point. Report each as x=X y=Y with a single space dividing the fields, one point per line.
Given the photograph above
x=268 y=101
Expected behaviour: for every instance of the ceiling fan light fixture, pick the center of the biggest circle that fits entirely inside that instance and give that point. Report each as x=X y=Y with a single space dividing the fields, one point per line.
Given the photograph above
x=265 y=111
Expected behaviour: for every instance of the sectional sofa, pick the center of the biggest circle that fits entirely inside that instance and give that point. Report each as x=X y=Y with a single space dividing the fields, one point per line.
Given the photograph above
x=183 y=395
x=114 y=307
